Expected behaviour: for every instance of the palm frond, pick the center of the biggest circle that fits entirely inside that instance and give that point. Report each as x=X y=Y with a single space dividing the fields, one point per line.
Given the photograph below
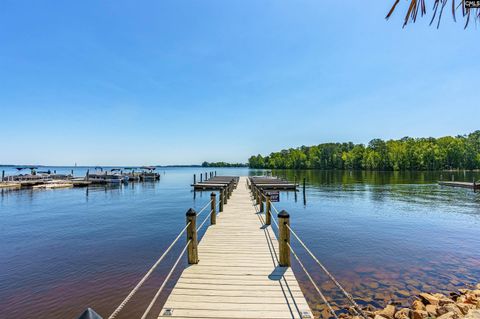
x=419 y=6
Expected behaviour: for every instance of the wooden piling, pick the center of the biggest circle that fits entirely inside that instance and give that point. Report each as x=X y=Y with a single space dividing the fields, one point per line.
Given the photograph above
x=192 y=236
x=225 y=197
x=220 y=205
x=261 y=201
x=3 y=175
x=268 y=211
x=194 y=179
x=213 y=205
x=201 y=178
x=284 y=238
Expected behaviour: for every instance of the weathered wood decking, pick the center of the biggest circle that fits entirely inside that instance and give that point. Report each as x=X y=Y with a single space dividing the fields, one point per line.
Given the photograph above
x=238 y=274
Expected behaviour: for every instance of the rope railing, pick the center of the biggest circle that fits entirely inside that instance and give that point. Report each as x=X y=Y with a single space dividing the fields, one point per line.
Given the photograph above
x=147 y=311
x=313 y=282
x=203 y=208
x=205 y=220
x=347 y=295
x=147 y=275
x=155 y=265
x=258 y=193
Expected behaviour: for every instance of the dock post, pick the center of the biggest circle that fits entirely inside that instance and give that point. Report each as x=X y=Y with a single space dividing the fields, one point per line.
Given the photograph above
x=213 y=213
x=194 y=179
x=215 y=173
x=72 y=172
x=225 y=197
x=3 y=175
x=268 y=211
x=201 y=178
x=206 y=176
x=220 y=205
x=261 y=201
x=304 y=185
x=192 y=236
x=284 y=239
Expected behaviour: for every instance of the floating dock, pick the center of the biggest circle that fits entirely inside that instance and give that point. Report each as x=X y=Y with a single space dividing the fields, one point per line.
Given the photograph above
x=216 y=183
x=475 y=186
x=272 y=183
x=238 y=273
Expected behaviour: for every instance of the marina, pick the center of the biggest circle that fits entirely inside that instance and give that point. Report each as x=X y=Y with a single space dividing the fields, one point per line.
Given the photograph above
x=372 y=268
x=51 y=180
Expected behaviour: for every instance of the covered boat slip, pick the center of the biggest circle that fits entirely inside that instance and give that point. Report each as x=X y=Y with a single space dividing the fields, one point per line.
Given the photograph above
x=216 y=183
x=272 y=183
x=238 y=273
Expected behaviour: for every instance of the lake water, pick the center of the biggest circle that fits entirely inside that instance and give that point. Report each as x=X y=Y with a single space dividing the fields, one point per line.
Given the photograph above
x=384 y=235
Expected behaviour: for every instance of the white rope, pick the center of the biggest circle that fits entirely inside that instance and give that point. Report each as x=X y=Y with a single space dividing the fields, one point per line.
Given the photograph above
x=273 y=217
x=205 y=220
x=145 y=314
x=204 y=207
x=140 y=283
x=349 y=297
x=313 y=282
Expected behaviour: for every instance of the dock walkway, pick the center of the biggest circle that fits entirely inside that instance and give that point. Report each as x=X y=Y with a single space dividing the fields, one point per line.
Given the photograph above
x=237 y=275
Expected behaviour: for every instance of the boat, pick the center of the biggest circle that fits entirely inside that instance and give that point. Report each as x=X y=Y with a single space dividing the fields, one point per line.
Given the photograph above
x=149 y=174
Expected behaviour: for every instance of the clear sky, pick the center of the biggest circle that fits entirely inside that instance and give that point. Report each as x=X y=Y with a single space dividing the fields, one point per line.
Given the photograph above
x=179 y=82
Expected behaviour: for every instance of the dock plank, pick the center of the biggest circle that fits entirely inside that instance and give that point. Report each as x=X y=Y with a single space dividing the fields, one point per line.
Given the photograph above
x=238 y=275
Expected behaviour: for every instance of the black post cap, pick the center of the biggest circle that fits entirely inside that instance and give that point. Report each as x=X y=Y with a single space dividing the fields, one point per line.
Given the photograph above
x=191 y=212
x=90 y=314
x=283 y=214
x=213 y=194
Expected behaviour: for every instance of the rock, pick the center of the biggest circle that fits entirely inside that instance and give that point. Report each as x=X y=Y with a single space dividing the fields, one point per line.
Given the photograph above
x=429 y=299
x=461 y=299
x=403 y=313
x=473 y=314
x=439 y=295
x=449 y=308
x=448 y=315
x=445 y=301
x=418 y=305
x=388 y=312
x=478 y=286
x=419 y=314
x=471 y=298
x=463 y=291
x=465 y=307
x=476 y=292
x=378 y=317
x=432 y=310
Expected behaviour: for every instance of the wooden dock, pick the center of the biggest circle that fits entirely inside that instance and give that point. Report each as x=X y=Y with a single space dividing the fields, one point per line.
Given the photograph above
x=272 y=183
x=474 y=186
x=215 y=183
x=238 y=273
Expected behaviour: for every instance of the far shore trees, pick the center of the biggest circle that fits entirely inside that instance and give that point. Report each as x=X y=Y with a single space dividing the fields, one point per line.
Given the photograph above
x=460 y=152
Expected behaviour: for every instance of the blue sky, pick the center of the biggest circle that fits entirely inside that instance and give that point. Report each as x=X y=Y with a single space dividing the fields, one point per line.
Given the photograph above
x=179 y=82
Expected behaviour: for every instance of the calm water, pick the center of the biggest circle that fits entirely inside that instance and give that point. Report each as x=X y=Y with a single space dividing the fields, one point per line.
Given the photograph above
x=384 y=235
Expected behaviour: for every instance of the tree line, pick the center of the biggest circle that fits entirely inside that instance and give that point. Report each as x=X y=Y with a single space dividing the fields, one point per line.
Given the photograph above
x=223 y=164
x=460 y=152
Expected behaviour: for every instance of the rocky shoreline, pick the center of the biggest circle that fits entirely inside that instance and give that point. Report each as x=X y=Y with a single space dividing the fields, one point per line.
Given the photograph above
x=462 y=304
